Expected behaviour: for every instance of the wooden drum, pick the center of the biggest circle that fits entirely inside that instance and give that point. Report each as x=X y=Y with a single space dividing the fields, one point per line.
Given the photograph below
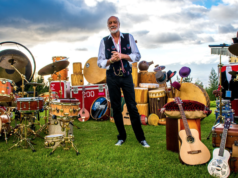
x=77 y=68
x=92 y=73
x=141 y=95
x=143 y=109
x=147 y=77
x=134 y=74
x=157 y=101
x=63 y=73
x=191 y=91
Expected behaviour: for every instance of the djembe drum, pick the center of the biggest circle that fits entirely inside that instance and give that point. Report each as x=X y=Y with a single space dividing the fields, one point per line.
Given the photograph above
x=157 y=101
x=141 y=95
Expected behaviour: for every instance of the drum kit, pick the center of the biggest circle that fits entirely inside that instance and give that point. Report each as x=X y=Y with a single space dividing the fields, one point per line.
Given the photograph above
x=60 y=111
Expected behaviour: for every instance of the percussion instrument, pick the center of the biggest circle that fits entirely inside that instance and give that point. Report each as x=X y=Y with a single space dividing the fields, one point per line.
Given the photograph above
x=6 y=88
x=147 y=77
x=63 y=72
x=100 y=109
x=51 y=140
x=55 y=127
x=77 y=68
x=144 y=65
x=62 y=106
x=143 y=119
x=191 y=91
x=54 y=95
x=157 y=101
x=134 y=74
x=58 y=58
x=30 y=104
x=226 y=105
x=233 y=60
x=5 y=127
x=53 y=67
x=3 y=109
x=149 y=85
x=35 y=84
x=153 y=119
x=141 y=95
x=143 y=109
x=233 y=49
x=77 y=79
x=92 y=73
x=226 y=114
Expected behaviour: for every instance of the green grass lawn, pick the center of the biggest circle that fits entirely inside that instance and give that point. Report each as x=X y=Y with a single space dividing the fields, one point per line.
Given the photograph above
x=99 y=157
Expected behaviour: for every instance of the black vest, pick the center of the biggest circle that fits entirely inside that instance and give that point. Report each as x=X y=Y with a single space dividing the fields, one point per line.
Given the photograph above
x=125 y=49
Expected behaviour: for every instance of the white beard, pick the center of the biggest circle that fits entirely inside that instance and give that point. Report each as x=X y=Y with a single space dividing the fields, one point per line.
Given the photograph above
x=114 y=31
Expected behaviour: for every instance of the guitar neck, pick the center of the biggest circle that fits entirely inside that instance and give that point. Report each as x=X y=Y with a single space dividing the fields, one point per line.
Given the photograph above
x=83 y=96
x=223 y=142
x=185 y=122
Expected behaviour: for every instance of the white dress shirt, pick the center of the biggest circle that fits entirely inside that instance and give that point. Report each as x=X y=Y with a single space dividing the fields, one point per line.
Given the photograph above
x=135 y=54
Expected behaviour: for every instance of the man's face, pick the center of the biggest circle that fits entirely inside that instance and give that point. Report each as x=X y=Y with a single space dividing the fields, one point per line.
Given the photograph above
x=113 y=24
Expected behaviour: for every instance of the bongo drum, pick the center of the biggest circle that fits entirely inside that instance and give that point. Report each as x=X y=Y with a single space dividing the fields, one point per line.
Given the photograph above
x=191 y=91
x=157 y=101
x=143 y=109
x=147 y=77
x=141 y=95
x=100 y=109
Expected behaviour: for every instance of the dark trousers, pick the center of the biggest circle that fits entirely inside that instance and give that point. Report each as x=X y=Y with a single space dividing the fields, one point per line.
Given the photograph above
x=114 y=84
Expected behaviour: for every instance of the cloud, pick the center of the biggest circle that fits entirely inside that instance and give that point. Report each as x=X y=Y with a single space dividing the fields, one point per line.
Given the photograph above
x=81 y=49
x=227 y=29
x=38 y=20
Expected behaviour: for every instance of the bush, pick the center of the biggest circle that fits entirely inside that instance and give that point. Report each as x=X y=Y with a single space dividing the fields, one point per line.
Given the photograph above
x=212 y=104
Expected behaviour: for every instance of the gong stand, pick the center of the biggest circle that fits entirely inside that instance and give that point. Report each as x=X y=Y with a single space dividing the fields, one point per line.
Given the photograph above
x=67 y=141
x=220 y=97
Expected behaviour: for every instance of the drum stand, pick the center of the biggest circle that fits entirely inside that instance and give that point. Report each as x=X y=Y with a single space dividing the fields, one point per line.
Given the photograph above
x=220 y=114
x=67 y=141
x=26 y=141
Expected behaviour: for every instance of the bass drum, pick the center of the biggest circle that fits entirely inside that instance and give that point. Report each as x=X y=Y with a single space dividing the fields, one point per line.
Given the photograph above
x=100 y=109
x=191 y=91
x=92 y=73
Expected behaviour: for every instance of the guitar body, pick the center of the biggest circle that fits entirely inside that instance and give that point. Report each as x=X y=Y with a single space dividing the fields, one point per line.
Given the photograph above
x=126 y=116
x=84 y=115
x=193 y=153
x=219 y=166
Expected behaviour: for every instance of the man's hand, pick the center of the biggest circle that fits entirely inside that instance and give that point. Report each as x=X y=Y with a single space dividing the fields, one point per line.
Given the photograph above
x=116 y=55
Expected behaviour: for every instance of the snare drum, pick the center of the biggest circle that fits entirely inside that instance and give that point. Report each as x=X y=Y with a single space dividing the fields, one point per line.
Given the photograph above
x=62 y=106
x=226 y=105
x=54 y=95
x=51 y=140
x=30 y=104
x=6 y=88
x=156 y=101
x=100 y=109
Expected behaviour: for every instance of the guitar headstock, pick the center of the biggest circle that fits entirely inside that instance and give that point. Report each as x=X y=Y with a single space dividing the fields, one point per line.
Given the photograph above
x=178 y=100
x=83 y=89
x=227 y=123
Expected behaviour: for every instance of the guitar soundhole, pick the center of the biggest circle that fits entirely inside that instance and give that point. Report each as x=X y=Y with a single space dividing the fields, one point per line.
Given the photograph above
x=190 y=139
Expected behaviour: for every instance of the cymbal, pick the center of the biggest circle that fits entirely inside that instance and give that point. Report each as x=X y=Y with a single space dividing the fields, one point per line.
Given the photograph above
x=233 y=49
x=233 y=73
x=35 y=83
x=11 y=56
x=54 y=67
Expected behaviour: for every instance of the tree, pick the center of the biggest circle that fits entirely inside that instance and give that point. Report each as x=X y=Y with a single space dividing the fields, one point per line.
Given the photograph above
x=213 y=84
x=199 y=82
x=186 y=79
x=39 y=89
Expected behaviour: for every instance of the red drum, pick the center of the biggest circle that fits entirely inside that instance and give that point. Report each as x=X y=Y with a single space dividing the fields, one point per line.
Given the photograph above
x=30 y=104
x=6 y=88
x=5 y=121
x=234 y=106
x=2 y=110
x=143 y=119
x=5 y=118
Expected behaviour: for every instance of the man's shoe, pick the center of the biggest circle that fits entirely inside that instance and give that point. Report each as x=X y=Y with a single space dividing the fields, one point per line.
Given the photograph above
x=144 y=144
x=120 y=142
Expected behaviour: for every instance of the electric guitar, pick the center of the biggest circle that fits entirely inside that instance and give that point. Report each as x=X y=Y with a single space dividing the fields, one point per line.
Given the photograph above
x=219 y=166
x=192 y=150
x=83 y=113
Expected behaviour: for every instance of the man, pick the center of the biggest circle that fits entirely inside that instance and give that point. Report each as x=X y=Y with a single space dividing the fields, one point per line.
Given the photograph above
x=116 y=53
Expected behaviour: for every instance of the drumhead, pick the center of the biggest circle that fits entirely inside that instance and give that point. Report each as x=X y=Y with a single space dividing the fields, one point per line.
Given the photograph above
x=30 y=99
x=99 y=107
x=7 y=80
x=54 y=135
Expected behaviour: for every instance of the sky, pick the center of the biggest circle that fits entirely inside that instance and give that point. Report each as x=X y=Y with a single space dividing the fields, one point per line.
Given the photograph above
x=174 y=33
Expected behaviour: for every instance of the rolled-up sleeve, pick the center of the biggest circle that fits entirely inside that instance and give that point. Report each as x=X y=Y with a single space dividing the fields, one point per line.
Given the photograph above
x=102 y=61
x=135 y=54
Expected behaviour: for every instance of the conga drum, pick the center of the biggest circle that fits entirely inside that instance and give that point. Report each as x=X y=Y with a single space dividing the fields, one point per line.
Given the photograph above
x=134 y=74
x=143 y=109
x=157 y=101
x=141 y=95
x=191 y=91
x=92 y=73
x=100 y=109
x=63 y=73
x=147 y=77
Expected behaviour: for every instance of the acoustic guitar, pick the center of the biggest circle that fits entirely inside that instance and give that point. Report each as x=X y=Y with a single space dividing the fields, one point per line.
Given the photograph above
x=83 y=113
x=219 y=166
x=192 y=150
x=126 y=116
